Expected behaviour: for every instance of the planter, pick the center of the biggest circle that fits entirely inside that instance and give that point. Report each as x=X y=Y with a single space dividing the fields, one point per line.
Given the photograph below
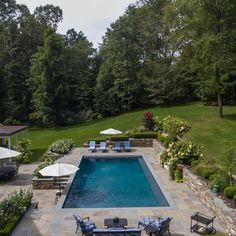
x=166 y=165
x=216 y=188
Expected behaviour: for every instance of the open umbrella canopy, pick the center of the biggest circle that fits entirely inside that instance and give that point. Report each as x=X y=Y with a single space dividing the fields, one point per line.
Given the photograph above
x=58 y=169
x=110 y=131
x=8 y=153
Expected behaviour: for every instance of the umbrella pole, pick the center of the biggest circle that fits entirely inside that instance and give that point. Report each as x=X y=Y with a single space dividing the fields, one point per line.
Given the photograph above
x=59 y=184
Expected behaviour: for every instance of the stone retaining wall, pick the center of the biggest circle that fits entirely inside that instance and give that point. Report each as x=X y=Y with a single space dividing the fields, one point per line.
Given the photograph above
x=141 y=142
x=225 y=215
x=43 y=183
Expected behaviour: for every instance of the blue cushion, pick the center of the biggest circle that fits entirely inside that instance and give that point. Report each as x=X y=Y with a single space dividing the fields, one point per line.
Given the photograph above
x=146 y=220
x=157 y=224
x=89 y=225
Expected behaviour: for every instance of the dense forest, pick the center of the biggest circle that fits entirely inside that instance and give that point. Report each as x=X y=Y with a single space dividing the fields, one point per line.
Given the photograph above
x=157 y=52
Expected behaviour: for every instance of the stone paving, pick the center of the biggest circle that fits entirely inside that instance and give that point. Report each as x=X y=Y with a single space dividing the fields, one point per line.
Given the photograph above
x=52 y=220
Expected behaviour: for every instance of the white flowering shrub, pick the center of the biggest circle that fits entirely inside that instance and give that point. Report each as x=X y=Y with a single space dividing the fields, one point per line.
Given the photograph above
x=14 y=205
x=61 y=146
x=183 y=152
x=174 y=126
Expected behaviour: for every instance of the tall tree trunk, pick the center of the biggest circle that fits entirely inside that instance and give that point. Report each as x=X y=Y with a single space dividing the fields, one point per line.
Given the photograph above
x=220 y=105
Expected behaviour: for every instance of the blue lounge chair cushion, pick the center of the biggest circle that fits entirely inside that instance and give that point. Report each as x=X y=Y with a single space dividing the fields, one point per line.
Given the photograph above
x=103 y=146
x=92 y=145
x=117 y=146
x=127 y=146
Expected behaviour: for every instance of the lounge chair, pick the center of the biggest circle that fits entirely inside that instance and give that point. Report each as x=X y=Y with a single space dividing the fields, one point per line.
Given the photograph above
x=156 y=227
x=117 y=146
x=92 y=146
x=103 y=146
x=127 y=147
x=117 y=232
x=85 y=225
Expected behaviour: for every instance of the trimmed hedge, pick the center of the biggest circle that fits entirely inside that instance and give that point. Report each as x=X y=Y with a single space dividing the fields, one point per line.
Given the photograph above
x=205 y=170
x=99 y=139
x=230 y=191
x=120 y=137
x=150 y=134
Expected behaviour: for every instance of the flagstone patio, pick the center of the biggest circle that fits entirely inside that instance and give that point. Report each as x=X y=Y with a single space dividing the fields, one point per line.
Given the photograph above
x=52 y=220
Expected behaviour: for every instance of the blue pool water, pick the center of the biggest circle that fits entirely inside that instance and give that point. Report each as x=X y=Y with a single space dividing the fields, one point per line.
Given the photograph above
x=114 y=182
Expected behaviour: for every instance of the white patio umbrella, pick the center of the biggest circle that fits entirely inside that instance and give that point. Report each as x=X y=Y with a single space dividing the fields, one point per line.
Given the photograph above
x=58 y=170
x=8 y=153
x=110 y=131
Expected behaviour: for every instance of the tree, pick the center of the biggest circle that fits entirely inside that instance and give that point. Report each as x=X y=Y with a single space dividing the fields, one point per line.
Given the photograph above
x=48 y=15
x=47 y=80
x=213 y=36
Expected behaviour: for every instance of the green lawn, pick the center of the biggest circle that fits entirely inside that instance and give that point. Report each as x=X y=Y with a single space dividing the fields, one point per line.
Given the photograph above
x=206 y=128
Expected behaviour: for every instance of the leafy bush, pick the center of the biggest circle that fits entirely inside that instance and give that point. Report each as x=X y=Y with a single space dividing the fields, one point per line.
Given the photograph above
x=11 y=121
x=194 y=163
x=234 y=197
x=173 y=163
x=120 y=137
x=7 y=230
x=158 y=123
x=13 y=206
x=148 y=121
x=179 y=175
x=96 y=115
x=23 y=148
x=174 y=126
x=230 y=191
x=183 y=150
x=47 y=162
x=205 y=170
x=166 y=140
x=150 y=134
x=221 y=179
x=137 y=129
x=61 y=146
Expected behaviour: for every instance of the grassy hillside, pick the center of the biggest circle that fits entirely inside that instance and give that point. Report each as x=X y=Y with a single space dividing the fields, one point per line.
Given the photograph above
x=206 y=128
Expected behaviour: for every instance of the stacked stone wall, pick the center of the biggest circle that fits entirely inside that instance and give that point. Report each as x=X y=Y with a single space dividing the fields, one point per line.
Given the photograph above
x=43 y=183
x=141 y=142
x=225 y=215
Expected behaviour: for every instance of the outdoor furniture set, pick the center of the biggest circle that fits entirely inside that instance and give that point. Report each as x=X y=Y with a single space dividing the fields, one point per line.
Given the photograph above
x=118 y=227
x=8 y=172
x=103 y=146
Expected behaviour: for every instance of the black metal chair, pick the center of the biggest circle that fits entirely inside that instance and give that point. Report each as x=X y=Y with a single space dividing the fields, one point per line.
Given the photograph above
x=85 y=225
x=158 y=227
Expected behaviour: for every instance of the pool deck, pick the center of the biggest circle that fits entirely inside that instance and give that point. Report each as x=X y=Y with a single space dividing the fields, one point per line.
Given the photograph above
x=50 y=219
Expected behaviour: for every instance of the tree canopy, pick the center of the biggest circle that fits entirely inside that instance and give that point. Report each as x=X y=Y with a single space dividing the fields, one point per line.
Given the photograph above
x=157 y=52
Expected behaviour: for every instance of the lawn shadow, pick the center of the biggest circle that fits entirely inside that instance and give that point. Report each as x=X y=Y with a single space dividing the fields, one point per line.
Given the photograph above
x=230 y=117
x=37 y=154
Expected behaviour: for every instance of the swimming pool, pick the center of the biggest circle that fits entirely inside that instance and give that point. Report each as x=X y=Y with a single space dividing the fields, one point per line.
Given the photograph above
x=104 y=182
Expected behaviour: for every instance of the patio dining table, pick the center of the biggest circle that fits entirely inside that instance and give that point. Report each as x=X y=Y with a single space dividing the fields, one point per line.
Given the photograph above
x=115 y=223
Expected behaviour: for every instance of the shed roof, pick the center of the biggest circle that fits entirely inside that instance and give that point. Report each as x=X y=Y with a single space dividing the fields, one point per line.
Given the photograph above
x=9 y=130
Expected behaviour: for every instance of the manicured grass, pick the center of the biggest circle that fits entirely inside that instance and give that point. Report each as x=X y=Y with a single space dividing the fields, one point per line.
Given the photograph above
x=206 y=128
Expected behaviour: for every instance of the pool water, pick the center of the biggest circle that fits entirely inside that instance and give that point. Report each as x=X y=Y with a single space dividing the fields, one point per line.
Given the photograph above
x=114 y=182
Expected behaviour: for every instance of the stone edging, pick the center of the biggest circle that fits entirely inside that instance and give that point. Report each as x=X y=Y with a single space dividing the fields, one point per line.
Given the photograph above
x=225 y=215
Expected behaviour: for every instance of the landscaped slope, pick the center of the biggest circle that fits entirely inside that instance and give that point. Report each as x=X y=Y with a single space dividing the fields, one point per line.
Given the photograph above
x=206 y=128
